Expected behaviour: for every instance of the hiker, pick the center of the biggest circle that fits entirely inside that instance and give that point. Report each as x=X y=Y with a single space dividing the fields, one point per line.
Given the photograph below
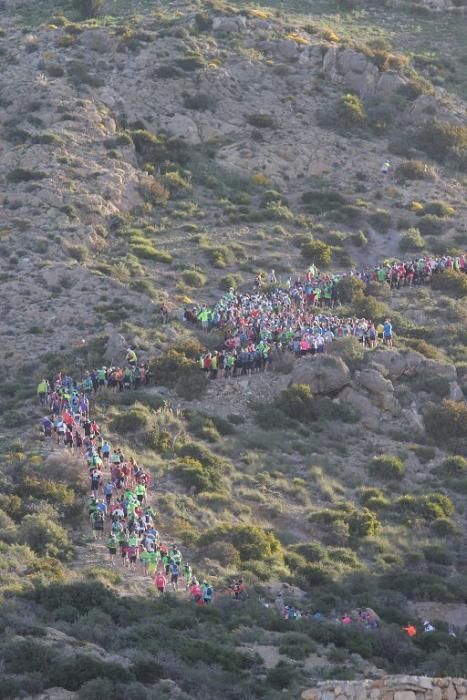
x=43 y=389
x=131 y=357
x=160 y=582
x=410 y=629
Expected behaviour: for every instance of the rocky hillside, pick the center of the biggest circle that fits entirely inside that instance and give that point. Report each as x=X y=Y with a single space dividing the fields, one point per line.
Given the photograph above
x=168 y=152
x=217 y=139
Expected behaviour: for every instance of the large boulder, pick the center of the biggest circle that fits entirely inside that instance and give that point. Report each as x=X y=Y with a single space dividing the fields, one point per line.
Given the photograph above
x=374 y=382
x=436 y=368
x=398 y=364
x=353 y=69
x=229 y=24
x=369 y=414
x=115 y=349
x=325 y=374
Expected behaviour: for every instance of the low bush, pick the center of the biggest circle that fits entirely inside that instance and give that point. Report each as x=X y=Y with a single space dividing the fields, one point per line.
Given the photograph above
x=252 y=542
x=317 y=252
x=88 y=8
x=297 y=403
x=363 y=523
x=447 y=421
x=197 y=476
x=199 y=101
x=431 y=225
x=414 y=170
x=148 y=252
x=438 y=208
x=412 y=240
x=437 y=554
x=451 y=282
x=25 y=175
x=44 y=535
x=192 y=278
x=454 y=465
x=261 y=121
x=380 y=220
x=387 y=467
x=135 y=419
x=444 y=142
x=322 y=201
x=296 y=645
x=350 y=111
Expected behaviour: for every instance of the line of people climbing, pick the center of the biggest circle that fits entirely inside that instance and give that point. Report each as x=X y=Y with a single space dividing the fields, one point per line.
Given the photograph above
x=119 y=511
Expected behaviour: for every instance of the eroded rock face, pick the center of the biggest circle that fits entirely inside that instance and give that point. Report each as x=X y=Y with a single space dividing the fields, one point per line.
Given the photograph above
x=391 y=688
x=358 y=72
x=324 y=374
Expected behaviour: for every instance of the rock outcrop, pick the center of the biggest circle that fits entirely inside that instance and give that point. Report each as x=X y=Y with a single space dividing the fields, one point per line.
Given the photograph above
x=325 y=374
x=391 y=688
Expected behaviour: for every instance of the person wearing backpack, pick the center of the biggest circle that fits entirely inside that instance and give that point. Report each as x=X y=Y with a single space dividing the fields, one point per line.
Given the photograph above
x=208 y=592
x=98 y=524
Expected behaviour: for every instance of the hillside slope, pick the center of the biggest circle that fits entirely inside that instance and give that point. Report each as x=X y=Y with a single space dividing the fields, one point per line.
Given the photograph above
x=166 y=153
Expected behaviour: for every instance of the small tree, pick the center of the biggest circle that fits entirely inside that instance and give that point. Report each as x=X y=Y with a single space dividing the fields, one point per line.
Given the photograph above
x=88 y=8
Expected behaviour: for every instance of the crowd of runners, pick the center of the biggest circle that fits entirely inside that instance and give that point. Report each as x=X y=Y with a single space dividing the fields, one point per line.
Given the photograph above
x=299 y=315
x=120 y=514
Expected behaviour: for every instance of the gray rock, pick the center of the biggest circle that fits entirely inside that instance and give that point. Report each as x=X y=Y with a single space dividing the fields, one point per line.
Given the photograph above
x=325 y=374
x=389 y=83
x=370 y=416
x=374 y=382
x=455 y=392
x=229 y=24
x=115 y=349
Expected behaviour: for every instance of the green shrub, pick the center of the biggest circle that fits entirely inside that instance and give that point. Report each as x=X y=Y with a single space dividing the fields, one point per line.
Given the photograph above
x=25 y=175
x=372 y=497
x=199 y=101
x=437 y=554
x=153 y=191
x=192 y=61
x=192 y=278
x=88 y=8
x=444 y=527
x=381 y=220
x=431 y=225
x=317 y=252
x=252 y=542
x=350 y=111
x=454 y=465
x=414 y=170
x=435 y=505
x=322 y=201
x=229 y=282
x=192 y=385
x=176 y=183
x=363 y=523
x=44 y=535
x=296 y=645
x=360 y=240
x=451 y=282
x=412 y=240
x=197 y=476
x=447 y=420
x=438 y=208
x=444 y=142
x=71 y=673
x=260 y=120
x=348 y=287
x=133 y=420
x=387 y=467
x=297 y=403
x=147 y=251
x=272 y=418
